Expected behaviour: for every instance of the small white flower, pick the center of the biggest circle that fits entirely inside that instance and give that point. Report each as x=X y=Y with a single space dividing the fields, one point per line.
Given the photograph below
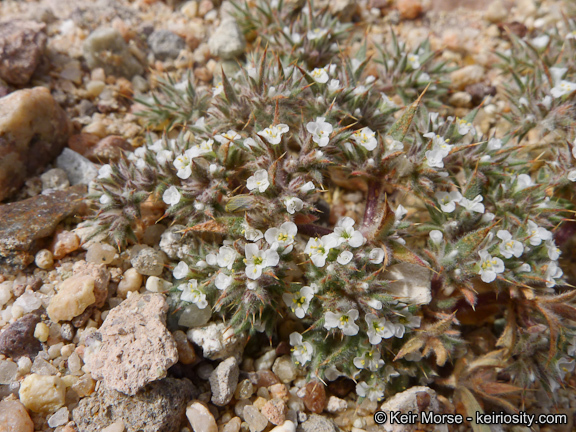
x=388 y=102
x=523 y=181
x=344 y=232
x=393 y=145
x=183 y=165
x=373 y=392
x=105 y=171
x=180 y=271
x=191 y=294
x=293 y=204
x=473 y=205
x=378 y=328
x=251 y=285
x=563 y=88
x=557 y=73
x=320 y=75
x=525 y=268
x=537 y=234
x=572 y=175
x=302 y=351
x=273 y=134
x=299 y=302
x=494 y=144
x=376 y=255
x=359 y=90
x=307 y=187
x=465 y=127
x=257 y=260
x=508 y=247
x=487 y=217
x=105 y=199
x=226 y=257
x=553 y=251
x=249 y=142
x=436 y=236
x=343 y=321
x=252 y=234
x=489 y=266
x=345 y=257
x=552 y=272
x=571 y=35
x=258 y=181
x=218 y=89
x=440 y=149
x=223 y=281
x=366 y=138
x=333 y=86
x=540 y=41
x=320 y=131
x=448 y=200
x=318 y=249
x=171 y=196
x=413 y=61
x=317 y=33
x=369 y=360
x=282 y=236
x=227 y=137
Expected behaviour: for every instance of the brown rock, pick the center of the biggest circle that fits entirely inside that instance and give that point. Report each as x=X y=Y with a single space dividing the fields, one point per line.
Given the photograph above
x=264 y=378
x=186 y=353
x=409 y=9
x=83 y=143
x=33 y=131
x=514 y=27
x=136 y=346
x=26 y=223
x=479 y=91
x=18 y=340
x=22 y=44
x=315 y=399
x=341 y=386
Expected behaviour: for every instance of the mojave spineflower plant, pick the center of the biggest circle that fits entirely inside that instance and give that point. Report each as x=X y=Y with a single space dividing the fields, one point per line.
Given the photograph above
x=273 y=134
x=301 y=351
x=257 y=260
x=365 y=137
x=258 y=181
x=299 y=302
x=490 y=267
x=283 y=236
x=320 y=130
x=342 y=321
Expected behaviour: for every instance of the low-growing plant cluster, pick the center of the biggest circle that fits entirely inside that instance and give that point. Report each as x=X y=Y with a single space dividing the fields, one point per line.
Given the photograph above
x=457 y=237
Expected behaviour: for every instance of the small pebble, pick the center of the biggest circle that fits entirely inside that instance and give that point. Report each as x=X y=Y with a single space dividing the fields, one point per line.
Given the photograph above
x=287 y=426
x=67 y=331
x=233 y=425
x=101 y=253
x=44 y=259
x=285 y=369
x=256 y=421
x=200 y=417
x=59 y=418
x=157 y=285
x=41 y=332
x=42 y=393
x=275 y=411
x=186 y=354
x=148 y=262
x=131 y=281
x=64 y=243
x=117 y=426
x=74 y=295
x=244 y=390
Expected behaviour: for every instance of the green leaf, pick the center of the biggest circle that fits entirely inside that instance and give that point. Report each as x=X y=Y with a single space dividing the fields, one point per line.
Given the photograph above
x=470 y=242
x=400 y=128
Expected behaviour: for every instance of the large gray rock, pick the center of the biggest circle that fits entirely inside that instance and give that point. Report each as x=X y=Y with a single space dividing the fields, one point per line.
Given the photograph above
x=105 y=48
x=33 y=131
x=227 y=41
x=160 y=407
x=22 y=45
x=136 y=346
